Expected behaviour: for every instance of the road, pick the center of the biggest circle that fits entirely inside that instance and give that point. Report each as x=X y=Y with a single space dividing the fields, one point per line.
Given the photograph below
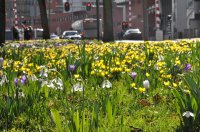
x=128 y=41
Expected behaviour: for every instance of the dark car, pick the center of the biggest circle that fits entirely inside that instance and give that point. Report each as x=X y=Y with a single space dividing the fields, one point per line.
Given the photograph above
x=132 y=34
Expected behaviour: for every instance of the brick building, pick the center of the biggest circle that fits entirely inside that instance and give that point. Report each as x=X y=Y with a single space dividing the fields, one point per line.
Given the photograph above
x=59 y=20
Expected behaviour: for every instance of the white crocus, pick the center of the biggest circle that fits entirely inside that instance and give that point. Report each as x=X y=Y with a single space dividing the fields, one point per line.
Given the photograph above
x=160 y=58
x=58 y=83
x=77 y=87
x=106 y=84
x=21 y=94
x=188 y=114
x=3 y=80
x=1 y=62
x=146 y=84
x=44 y=83
x=50 y=85
x=43 y=72
x=33 y=78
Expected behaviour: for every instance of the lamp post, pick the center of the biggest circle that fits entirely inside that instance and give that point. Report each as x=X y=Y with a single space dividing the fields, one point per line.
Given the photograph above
x=172 y=19
x=97 y=14
x=49 y=16
x=145 y=20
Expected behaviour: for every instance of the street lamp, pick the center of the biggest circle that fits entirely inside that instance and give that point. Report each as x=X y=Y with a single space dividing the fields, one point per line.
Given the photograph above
x=49 y=16
x=145 y=20
x=97 y=11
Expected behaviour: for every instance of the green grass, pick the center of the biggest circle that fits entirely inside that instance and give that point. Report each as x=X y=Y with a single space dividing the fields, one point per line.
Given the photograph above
x=119 y=108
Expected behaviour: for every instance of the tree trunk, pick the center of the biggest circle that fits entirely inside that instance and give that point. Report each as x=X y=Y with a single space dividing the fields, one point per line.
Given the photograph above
x=44 y=20
x=2 y=22
x=108 y=21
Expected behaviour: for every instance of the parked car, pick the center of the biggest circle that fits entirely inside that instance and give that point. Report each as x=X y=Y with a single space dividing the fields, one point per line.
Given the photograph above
x=132 y=34
x=71 y=35
x=54 y=36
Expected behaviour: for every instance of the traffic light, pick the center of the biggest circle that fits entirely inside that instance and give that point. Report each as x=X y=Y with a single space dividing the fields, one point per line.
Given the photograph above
x=169 y=17
x=67 y=6
x=24 y=21
x=124 y=25
x=88 y=6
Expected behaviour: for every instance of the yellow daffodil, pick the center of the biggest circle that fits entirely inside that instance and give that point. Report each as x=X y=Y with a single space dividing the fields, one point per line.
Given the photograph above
x=175 y=85
x=76 y=76
x=133 y=85
x=141 y=90
x=147 y=74
x=167 y=83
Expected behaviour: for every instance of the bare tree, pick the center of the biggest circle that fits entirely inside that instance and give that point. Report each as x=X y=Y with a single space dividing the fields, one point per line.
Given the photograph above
x=44 y=20
x=108 y=21
x=2 y=21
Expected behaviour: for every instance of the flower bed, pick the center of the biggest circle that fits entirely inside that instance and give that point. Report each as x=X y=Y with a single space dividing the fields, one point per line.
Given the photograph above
x=88 y=85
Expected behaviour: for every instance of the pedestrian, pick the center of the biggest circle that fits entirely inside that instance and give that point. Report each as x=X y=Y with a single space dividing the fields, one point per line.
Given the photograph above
x=30 y=32
x=15 y=33
x=26 y=33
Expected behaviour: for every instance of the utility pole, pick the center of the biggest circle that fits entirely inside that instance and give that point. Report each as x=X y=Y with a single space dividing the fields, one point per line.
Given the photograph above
x=145 y=20
x=97 y=13
x=49 y=16
x=172 y=19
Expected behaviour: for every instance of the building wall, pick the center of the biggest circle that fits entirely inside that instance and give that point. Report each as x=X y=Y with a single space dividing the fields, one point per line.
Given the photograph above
x=136 y=13
x=59 y=19
x=151 y=19
x=181 y=18
x=165 y=23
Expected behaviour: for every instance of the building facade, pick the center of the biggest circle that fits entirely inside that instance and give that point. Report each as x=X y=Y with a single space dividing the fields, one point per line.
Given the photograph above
x=59 y=19
x=180 y=18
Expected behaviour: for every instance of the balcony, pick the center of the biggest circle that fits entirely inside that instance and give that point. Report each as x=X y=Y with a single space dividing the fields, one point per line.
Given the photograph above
x=197 y=16
x=121 y=1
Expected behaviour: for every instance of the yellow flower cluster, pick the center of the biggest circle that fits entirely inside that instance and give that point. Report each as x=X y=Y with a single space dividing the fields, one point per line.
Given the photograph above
x=106 y=59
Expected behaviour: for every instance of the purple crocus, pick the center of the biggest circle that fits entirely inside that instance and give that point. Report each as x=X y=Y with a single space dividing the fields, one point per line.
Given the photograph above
x=16 y=80
x=1 y=62
x=187 y=67
x=133 y=75
x=72 y=68
x=23 y=80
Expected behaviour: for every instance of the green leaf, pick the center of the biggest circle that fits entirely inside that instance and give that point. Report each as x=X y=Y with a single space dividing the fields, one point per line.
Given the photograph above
x=76 y=120
x=109 y=112
x=180 y=101
x=194 y=87
x=56 y=118
x=195 y=105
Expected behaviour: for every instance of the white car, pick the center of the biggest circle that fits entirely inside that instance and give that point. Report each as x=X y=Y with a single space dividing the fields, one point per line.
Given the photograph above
x=71 y=35
x=54 y=36
x=132 y=34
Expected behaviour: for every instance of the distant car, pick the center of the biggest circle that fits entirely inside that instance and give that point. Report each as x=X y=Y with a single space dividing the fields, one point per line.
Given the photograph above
x=132 y=34
x=54 y=36
x=71 y=35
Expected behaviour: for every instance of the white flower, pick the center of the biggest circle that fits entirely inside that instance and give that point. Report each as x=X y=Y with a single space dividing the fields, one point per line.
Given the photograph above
x=43 y=71
x=77 y=87
x=50 y=85
x=187 y=114
x=156 y=67
x=106 y=84
x=58 y=83
x=146 y=84
x=44 y=83
x=1 y=62
x=3 y=80
x=43 y=74
x=160 y=58
x=21 y=94
x=33 y=78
